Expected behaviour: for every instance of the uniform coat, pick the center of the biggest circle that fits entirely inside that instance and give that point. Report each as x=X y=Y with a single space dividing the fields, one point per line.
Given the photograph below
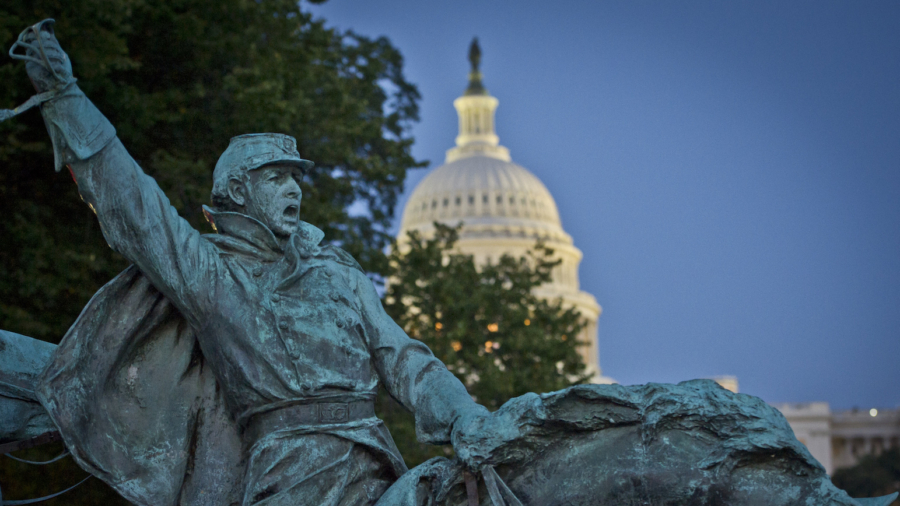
x=160 y=386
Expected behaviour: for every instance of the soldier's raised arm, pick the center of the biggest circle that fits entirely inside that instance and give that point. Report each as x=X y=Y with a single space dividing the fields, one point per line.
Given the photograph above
x=135 y=216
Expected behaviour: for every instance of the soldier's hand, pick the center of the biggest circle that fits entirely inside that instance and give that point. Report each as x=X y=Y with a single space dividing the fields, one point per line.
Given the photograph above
x=475 y=435
x=48 y=66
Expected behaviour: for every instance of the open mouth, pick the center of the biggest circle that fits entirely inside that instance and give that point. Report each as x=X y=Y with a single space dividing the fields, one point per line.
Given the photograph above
x=291 y=213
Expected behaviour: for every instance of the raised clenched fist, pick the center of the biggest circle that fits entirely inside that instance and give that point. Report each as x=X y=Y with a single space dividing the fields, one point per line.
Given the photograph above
x=48 y=66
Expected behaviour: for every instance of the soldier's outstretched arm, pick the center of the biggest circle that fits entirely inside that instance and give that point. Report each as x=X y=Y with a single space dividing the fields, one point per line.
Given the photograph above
x=412 y=374
x=135 y=215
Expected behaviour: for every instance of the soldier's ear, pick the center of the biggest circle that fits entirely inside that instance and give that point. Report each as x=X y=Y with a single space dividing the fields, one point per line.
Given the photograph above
x=237 y=190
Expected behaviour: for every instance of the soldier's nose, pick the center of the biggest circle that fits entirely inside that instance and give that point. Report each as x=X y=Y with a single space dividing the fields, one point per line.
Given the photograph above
x=293 y=190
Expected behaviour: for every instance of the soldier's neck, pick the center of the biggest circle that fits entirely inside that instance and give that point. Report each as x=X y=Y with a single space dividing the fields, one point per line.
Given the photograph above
x=281 y=239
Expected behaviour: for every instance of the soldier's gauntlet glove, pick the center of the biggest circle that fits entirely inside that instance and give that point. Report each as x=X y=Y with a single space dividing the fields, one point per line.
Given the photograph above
x=76 y=127
x=47 y=65
x=474 y=436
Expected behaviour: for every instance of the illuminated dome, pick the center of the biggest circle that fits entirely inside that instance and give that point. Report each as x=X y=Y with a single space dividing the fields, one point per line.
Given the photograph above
x=504 y=208
x=490 y=195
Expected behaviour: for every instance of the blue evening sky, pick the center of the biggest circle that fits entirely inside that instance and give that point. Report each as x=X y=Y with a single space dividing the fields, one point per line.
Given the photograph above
x=731 y=171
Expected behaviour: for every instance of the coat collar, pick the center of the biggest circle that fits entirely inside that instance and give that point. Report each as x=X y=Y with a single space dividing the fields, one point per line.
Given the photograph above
x=253 y=231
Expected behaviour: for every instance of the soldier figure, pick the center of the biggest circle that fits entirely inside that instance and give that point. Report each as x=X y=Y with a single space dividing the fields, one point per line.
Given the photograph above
x=291 y=331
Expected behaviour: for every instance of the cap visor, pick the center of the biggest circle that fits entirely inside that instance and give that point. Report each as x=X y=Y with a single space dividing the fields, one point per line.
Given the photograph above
x=304 y=165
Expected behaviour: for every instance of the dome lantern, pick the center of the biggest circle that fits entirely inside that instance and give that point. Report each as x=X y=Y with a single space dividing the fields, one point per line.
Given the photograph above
x=476 y=117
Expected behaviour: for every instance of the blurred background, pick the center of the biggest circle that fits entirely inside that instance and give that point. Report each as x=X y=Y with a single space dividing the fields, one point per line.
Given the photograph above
x=731 y=173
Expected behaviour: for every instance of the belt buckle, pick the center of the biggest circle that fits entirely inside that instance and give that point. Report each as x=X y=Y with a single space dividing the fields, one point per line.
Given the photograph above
x=334 y=412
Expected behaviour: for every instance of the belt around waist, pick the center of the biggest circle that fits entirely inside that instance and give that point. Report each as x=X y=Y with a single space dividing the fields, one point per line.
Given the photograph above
x=313 y=413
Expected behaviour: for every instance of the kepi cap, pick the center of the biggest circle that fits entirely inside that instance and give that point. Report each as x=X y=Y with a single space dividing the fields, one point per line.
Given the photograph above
x=252 y=151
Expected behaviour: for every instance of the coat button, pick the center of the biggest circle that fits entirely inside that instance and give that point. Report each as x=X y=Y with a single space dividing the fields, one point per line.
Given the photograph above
x=275 y=297
x=283 y=325
x=305 y=386
x=339 y=323
x=335 y=296
x=257 y=272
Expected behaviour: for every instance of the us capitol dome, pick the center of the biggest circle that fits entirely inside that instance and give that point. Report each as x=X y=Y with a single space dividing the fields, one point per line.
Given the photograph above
x=504 y=208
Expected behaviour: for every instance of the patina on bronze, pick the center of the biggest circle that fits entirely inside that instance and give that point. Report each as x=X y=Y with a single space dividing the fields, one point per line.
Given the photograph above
x=32 y=43
x=239 y=368
x=476 y=87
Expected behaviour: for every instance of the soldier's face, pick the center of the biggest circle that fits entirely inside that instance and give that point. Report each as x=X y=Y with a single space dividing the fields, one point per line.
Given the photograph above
x=273 y=197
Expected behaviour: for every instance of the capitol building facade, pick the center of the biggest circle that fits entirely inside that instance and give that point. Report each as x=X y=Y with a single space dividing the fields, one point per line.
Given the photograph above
x=503 y=208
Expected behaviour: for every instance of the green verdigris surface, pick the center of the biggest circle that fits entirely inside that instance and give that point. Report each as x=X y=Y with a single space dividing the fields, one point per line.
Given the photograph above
x=240 y=367
x=694 y=443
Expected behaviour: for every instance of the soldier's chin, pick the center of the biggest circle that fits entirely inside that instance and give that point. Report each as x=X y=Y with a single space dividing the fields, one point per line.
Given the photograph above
x=285 y=229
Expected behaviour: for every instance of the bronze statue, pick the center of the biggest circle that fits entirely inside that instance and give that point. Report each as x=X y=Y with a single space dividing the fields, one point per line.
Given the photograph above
x=240 y=368
x=475 y=54
x=476 y=87
x=291 y=332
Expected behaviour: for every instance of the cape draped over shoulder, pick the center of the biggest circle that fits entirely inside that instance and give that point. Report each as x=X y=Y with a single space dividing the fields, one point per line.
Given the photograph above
x=136 y=404
x=139 y=406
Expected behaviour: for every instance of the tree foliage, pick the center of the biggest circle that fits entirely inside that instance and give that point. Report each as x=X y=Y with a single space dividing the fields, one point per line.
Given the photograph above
x=484 y=322
x=873 y=476
x=178 y=79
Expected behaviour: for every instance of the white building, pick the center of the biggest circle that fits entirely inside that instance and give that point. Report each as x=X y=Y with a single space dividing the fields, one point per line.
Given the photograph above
x=504 y=208
x=840 y=438
x=836 y=438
